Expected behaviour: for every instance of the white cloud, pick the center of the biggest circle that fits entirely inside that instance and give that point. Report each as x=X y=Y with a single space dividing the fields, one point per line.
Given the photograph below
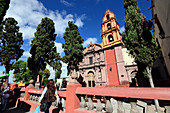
x=63 y=74
x=10 y=76
x=28 y=31
x=59 y=47
x=66 y=3
x=52 y=72
x=88 y=41
x=30 y=15
x=26 y=54
x=122 y=29
x=64 y=70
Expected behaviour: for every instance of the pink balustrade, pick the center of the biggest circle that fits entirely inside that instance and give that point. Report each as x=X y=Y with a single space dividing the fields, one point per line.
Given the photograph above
x=78 y=99
x=29 y=99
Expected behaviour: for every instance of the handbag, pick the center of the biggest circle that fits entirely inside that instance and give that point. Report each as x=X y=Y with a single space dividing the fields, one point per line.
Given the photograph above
x=52 y=99
x=43 y=106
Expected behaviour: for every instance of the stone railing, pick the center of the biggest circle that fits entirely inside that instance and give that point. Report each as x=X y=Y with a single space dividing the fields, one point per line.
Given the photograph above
x=31 y=96
x=78 y=99
x=22 y=94
x=35 y=95
x=122 y=100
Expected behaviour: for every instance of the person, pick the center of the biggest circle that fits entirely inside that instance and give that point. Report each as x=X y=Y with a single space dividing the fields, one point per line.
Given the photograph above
x=4 y=97
x=59 y=108
x=49 y=95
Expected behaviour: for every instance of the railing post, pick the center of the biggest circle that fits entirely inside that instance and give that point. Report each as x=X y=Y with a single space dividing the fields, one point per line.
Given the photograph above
x=14 y=84
x=72 y=101
x=27 y=95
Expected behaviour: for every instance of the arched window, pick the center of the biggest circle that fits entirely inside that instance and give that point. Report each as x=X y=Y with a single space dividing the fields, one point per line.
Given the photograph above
x=90 y=60
x=91 y=82
x=110 y=37
x=108 y=17
x=109 y=26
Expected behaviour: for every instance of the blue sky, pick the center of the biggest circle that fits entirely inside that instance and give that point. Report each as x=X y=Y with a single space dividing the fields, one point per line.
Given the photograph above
x=86 y=14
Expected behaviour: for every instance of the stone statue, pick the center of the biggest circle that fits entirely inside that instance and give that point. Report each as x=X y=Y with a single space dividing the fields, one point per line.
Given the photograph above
x=74 y=77
x=31 y=83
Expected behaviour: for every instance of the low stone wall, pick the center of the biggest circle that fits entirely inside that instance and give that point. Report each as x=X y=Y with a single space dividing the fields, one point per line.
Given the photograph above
x=122 y=100
x=29 y=99
x=78 y=99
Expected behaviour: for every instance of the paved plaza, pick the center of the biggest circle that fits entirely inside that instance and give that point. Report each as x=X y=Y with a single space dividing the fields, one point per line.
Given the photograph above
x=14 y=110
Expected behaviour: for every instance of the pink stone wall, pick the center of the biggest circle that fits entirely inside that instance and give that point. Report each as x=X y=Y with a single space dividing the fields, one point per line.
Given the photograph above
x=120 y=65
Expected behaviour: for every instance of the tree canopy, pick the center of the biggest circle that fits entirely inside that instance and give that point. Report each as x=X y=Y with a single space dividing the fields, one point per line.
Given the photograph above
x=11 y=41
x=56 y=64
x=138 y=37
x=43 y=50
x=4 y=5
x=44 y=75
x=21 y=73
x=73 y=47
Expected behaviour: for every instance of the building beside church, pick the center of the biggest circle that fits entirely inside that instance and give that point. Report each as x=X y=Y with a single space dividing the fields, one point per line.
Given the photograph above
x=161 y=26
x=107 y=63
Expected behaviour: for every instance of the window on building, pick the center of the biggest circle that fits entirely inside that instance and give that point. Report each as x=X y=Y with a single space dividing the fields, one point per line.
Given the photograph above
x=109 y=26
x=110 y=37
x=108 y=17
x=91 y=60
x=91 y=83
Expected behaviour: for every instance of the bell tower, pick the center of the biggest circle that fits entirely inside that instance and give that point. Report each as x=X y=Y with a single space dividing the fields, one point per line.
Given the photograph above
x=112 y=45
x=110 y=30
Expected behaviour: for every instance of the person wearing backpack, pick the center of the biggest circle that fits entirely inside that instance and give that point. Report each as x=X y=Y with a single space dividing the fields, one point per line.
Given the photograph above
x=49 y=97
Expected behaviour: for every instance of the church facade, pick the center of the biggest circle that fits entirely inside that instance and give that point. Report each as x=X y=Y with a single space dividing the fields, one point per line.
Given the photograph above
x=107 y=63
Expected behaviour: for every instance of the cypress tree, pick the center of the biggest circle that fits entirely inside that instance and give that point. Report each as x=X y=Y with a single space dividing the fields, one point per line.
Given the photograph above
x=138 y=37
x=139 y=41
x=43 y=50
x=4 y=5
x=11 y=40
x=73 y=47
x=56 y=64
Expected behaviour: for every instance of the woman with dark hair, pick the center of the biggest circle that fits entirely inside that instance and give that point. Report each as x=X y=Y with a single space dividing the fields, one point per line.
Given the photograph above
x=49 y=95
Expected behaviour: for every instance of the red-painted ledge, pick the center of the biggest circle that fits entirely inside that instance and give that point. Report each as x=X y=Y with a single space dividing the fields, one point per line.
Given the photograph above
x=143 y=93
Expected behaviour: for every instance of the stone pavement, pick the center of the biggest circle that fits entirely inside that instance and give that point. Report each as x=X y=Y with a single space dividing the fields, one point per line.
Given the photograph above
x=14 y=110
x=11 y=109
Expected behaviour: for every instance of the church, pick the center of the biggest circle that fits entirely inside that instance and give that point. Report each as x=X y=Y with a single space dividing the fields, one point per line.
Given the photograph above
x=107 y=63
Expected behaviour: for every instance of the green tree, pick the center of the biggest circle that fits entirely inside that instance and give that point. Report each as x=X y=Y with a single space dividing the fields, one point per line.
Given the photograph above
x=73 y=47
x=43 y=50
x=4 y=5
x=19 y=69
x=138 y=39
x=44 y=75
x=57 y=67
x=21 y=73
x=11 y=40
x=27 y=75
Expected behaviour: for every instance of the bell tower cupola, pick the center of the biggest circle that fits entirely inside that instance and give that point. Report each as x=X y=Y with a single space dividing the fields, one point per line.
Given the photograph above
x=110 y=30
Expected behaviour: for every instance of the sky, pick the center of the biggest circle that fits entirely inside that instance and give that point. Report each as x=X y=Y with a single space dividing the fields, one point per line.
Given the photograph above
x=86 y=14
